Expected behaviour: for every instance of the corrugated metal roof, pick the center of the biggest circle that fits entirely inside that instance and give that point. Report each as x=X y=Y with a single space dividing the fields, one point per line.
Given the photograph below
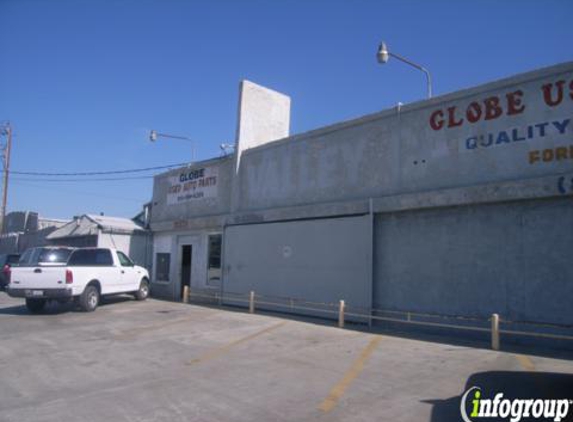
x=89 y=224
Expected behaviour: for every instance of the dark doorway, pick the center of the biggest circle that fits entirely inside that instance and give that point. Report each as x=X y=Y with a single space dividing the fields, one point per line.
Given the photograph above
x=186 y=260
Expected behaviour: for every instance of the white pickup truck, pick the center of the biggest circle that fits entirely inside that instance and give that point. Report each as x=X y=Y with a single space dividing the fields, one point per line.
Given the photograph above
x=48 y=274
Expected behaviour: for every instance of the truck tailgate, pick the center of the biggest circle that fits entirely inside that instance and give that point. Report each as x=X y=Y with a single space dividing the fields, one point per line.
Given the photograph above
x=38 y=277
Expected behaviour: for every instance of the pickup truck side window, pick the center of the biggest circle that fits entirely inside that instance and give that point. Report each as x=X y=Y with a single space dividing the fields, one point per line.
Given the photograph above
x=91 y=258
x=124 y=260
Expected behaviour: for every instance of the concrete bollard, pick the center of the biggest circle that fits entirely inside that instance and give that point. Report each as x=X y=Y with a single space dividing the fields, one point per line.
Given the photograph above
x=341 y=314
x=495 y=331
x=252 y=302
x=186 y=293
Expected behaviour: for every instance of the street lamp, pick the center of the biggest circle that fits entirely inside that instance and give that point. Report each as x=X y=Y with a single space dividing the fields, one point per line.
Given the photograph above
x=154 y=135
x=383 y=55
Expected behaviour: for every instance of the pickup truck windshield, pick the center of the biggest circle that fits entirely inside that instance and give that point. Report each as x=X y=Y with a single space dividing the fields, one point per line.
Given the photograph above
x=44 y=256
x=91 y=258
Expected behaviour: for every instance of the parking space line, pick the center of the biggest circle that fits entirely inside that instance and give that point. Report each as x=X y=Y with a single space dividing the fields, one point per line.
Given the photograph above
x=338 y=390
x=525 y=362
x=218 y=351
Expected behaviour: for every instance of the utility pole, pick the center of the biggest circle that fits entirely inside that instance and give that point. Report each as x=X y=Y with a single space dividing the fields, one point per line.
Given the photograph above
x=6 y=130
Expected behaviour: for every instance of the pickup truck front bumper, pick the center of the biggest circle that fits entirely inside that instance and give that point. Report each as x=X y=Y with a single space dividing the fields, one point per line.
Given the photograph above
x=40 y=293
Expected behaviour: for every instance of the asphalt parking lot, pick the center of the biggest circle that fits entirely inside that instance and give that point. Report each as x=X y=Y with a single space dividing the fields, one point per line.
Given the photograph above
x=162 y=361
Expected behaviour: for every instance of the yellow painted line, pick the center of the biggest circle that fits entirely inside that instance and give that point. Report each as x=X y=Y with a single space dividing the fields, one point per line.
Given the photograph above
x=214 y=353
x=338 y=390
x=525 y=362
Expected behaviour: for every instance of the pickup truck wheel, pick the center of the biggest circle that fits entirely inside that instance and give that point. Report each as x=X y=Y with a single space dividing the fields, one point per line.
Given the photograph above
x=89 y=299
x=35 y=305
x=143 y=291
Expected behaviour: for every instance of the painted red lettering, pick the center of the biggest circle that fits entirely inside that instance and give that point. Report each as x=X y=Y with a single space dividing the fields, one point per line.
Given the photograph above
x=548 y=96
x=437 y=120
x=514 y=103
x=473 y=113
x=452 y=118
x=492 y=108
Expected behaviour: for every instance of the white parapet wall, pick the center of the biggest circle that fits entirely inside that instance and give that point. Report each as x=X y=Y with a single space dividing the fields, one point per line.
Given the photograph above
x=264 y=116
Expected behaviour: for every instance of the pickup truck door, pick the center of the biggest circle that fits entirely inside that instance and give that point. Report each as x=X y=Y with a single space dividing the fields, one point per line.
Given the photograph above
x=130 y=277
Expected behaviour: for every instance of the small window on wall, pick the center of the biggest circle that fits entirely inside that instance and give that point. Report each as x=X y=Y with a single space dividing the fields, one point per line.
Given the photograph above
x=162 y=264
x=214 y=260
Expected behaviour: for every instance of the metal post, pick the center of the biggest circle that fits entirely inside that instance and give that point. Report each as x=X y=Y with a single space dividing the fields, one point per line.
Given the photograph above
x=341 y=314
x=6 y=162
x=186 y=294
x=495 y=331
x=417 y=66
x=252 y=302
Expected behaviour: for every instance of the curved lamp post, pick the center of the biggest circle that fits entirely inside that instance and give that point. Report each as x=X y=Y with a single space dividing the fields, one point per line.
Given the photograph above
x=154 y=135
x=383 y=55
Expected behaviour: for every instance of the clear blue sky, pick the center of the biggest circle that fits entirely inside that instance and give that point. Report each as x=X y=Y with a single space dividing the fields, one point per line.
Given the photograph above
x=82 y=81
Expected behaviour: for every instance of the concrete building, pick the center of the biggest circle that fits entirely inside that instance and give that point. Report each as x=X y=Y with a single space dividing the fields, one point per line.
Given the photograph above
x=457 y=205
x=25 y=229
x=105 y=232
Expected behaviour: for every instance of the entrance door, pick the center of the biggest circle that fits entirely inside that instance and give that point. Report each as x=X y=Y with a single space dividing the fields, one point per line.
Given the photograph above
x=186 y=261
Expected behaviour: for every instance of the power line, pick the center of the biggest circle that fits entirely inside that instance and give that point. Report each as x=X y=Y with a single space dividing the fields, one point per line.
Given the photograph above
x=96 y=173
x=103 y=179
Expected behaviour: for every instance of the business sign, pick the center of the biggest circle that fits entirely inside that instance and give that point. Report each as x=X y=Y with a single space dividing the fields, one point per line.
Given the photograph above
x=193 y=185
x=539 y=112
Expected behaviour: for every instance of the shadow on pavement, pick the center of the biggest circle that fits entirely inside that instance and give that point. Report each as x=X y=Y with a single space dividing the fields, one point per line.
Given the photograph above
x=454 y=338
x=513 y=385
x=56 y=308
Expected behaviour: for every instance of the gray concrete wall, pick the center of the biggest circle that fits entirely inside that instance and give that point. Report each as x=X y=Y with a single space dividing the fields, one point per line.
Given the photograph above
x=263 y=117
x=167 y=289
x=20 y=221
x=316 y=260
x=87 y=241
x=34 y=238
x=172 y=243
x=473 y=195
x=9 y=242
x=421 y=146
x=19 y=242
x=169 y=214
x=509 y=258
x=136 y=245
